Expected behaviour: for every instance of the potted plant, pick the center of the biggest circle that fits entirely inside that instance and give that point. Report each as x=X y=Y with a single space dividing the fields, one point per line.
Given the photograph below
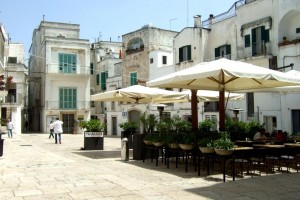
x=206 y=145
x=93 y=134
x=129 y=129
x=149 y=122
x=224 y=145
x=187 y=141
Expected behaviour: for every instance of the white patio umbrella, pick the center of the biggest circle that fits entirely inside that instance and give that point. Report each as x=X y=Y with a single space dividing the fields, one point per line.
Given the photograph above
x=224 y=75
x=138 y=94
x=202 y=96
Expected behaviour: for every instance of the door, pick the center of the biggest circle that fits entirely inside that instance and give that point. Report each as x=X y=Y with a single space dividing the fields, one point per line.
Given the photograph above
x=68 y=125
x=295 y=121
x=114 y=125
x=134 y=116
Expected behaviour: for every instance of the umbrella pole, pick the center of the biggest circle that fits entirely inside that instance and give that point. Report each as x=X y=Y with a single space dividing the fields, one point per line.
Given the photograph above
x=222 y=110
x=194 y=102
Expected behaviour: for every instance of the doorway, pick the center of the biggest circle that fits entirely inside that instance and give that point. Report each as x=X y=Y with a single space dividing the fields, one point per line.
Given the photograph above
x=295 y=121
x=270 y=123
x=68 y=125
x=114 y=125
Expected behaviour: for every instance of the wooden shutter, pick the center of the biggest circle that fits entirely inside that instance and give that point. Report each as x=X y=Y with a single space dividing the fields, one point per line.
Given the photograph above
x=247 y=41
x=217 y=52
x=180 y=54
x=189 y=50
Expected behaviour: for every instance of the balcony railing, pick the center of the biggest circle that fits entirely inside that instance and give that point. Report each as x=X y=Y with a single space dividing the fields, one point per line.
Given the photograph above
x=80 y=70
x=57 y=105
x=230 y=13
x=256 y=49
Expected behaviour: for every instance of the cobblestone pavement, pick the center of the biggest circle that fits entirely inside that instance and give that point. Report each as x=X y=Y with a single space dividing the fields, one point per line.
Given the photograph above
x=33 y=167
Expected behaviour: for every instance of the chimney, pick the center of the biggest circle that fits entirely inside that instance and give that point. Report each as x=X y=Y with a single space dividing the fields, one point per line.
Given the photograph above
x=197 y=21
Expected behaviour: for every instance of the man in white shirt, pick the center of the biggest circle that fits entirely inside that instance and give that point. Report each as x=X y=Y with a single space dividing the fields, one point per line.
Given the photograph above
x=9 y=127
x=261 y=135
x=57 y=126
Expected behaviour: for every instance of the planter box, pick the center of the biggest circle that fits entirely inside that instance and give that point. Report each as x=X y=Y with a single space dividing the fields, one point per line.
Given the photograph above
x=137 y=146
x=93 y=140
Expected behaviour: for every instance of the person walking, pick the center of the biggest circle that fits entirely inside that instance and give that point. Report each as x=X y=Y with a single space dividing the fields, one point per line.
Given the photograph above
x=9 y=127
x=51 y=130
x=57 y=127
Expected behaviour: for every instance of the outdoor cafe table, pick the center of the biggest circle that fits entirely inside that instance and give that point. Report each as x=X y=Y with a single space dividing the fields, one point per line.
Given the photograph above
x=248 y=143
x=238 y=151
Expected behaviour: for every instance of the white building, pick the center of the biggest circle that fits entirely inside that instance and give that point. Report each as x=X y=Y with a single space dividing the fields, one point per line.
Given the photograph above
x=14 y=104
x=59 y=76
x=269 y=37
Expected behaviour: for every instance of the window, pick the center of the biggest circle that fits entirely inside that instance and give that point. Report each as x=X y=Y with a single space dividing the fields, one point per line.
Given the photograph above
x=133 y=78
x=135 y=44
x=104 y=76
x=151 y=60
x=97 y=79
x=67 y=98
x=250 y=104
x=297 y=30
x=185 y=53
x=247 y=41
x=67 y=63
x=164 y=60
x=223 y=52
x=12 y=60
x=259 y=37
x=92 y=68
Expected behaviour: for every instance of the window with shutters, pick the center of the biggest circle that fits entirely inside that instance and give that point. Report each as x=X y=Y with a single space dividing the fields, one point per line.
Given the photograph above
x=223 y=52
x=97 y=79
x=259 y=37
x=185 y=53
x=247 y=41
x=92 y=68
x=67 y=98
x=103 y=77
x=133 y=78
x=67 y=63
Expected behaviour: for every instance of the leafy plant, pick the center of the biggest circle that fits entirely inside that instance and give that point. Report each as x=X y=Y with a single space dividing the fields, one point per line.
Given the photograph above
x=92 y=125
x=206 y=125
x=206 y=142
x=224 y=142
x=128 y=127
x=149 y=122
x=188 y=138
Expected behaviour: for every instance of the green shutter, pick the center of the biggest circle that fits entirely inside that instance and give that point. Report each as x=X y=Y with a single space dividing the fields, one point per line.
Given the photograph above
x=133 y=78
x=92 y=68
x=97 y=79
x=267 y=35
x=189 y=48
x=247 y=41
x=217 y=52
x=103 y=80
x=228 y=51
x=180 y=54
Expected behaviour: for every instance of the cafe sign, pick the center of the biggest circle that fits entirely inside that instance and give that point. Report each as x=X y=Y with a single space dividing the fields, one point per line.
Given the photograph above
x=93 y=134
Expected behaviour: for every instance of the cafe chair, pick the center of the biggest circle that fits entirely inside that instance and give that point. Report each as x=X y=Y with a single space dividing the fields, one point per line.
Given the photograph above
x=257 y=161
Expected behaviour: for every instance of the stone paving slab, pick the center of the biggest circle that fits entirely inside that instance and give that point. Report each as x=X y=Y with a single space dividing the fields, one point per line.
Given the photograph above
x=33 y=167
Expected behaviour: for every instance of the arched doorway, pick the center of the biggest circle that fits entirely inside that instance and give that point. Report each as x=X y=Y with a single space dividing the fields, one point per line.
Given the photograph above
x=134 y=116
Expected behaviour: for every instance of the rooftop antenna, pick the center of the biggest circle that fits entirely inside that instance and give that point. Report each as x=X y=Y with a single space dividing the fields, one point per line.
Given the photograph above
x=171 y=22
x=187 y=13
x=43 y=17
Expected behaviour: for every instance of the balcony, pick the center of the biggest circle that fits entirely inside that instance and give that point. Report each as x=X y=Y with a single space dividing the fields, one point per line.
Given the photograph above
x=78 y=70
x=57 y=105
x=256 y=49
x=288 y=42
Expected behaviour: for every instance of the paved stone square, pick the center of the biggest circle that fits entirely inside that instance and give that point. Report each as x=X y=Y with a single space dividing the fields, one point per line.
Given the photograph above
x=33 y=167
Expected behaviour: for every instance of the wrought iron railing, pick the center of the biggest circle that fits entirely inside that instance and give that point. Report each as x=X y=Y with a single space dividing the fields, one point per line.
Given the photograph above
x=77 y=105
x=226 y=15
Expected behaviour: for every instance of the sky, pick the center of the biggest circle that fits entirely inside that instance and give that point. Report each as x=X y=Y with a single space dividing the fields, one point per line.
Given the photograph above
x=104 y=19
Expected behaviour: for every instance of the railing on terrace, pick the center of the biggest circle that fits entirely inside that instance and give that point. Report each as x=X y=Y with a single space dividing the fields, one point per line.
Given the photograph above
x=79 y=70
x=77 y=105
x=256 y=49
x=226 y=15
